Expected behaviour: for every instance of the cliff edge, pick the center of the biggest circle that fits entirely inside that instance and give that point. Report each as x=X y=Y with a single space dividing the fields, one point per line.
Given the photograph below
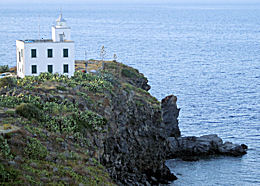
x=100 y=128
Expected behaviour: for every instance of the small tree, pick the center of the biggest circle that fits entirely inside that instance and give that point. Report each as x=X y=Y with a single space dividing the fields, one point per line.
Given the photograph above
x=102 y=55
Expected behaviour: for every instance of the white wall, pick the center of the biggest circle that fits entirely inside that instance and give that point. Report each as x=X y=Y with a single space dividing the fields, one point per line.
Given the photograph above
x=56 y=31
x=42 y=61
x=20 y=64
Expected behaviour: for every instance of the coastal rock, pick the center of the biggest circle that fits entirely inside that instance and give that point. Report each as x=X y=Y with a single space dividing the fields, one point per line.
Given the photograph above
x=138 y=135
x=135 y=149
x=231 y=149
x=141 y=139
x=170 y=113
x=192 y=148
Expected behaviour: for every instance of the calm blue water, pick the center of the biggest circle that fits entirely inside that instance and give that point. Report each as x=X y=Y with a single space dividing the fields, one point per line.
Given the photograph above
x=209 y=56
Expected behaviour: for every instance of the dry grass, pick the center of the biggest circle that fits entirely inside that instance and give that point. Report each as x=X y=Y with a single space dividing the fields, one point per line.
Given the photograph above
x=92 y=65
x=48 y=85
x=8 y=128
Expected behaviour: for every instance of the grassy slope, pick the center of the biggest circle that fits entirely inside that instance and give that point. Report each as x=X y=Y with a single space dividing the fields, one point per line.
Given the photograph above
x=60 y=119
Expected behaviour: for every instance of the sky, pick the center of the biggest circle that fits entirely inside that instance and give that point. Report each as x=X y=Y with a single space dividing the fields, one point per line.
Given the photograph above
x=131 y=1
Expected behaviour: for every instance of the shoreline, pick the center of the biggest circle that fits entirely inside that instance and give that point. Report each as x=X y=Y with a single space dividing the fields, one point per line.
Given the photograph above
x=129 y=132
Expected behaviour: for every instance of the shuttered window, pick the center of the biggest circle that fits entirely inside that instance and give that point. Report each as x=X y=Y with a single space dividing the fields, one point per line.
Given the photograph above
x=33 y=53
x=65 y=68
x=50 y=68
x=34 y=69
x=50 y=55
x=65 y=52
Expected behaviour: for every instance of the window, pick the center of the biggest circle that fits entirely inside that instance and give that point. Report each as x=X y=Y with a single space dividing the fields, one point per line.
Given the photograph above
x=50 y=68
x=33 y=53
x=50 y=53
x=21 y=52
x=65 y=68
x=34 y=69
x=65 y=52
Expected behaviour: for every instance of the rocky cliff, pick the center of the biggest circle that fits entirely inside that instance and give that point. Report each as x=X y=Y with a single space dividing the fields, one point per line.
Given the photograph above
x=102 y=128
x=82 y=129
x=192 y=148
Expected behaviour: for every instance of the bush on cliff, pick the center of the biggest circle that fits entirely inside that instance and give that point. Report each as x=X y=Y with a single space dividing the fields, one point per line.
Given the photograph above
x=128 y=73
x=7 y=175
x=5 y=150
x=29 y=111
x=90 y=120
x=7 y=82
x=4 y=68
x=35 y=150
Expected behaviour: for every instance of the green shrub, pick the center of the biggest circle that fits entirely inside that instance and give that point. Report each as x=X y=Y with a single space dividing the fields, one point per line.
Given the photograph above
x=35 y=150
x=110 y=78
x=9 y=101
x=59 y=140
x=7 y=174
x=13 y=101
x=111 y=65
x=8 y=82
x=69 y=155
x=5 y=149
x=128 y=73
x=29 y=111
x=4 y=68
x=62 y=88
x=10 y=112
x=90 y=120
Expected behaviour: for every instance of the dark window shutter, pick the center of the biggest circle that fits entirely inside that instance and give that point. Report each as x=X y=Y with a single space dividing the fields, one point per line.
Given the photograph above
x=65 y=52
x=34 y=69
x=33 y=53
x=50 y=53
x=65 y=68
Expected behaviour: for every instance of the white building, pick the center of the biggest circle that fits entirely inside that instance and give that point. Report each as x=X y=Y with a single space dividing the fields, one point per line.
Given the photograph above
x=54 y=55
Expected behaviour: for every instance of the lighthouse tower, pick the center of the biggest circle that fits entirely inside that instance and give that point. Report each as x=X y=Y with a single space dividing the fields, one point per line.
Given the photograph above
x=60 y=32
x=55 y=55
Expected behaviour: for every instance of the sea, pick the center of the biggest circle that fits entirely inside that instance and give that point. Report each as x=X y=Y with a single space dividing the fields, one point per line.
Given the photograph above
x=208 y=55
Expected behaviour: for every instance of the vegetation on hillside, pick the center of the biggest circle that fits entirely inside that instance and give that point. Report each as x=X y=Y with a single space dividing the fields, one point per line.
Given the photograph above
x=60 y=119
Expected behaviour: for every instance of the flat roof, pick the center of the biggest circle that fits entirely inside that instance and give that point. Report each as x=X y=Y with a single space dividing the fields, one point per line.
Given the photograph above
x=44 y=41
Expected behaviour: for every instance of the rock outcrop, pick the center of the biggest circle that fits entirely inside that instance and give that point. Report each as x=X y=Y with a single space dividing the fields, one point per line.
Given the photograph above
x=108 y=118
x=170 y=113
x=140 y=142
x=135 y=149
x=192 y=148
x=142 y=136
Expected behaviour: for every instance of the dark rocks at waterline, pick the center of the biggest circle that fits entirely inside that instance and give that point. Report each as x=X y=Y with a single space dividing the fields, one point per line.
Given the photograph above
x=170 y=113
x=192 y=148
x=135 y=148
x=231 y=149
x=141 y=139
